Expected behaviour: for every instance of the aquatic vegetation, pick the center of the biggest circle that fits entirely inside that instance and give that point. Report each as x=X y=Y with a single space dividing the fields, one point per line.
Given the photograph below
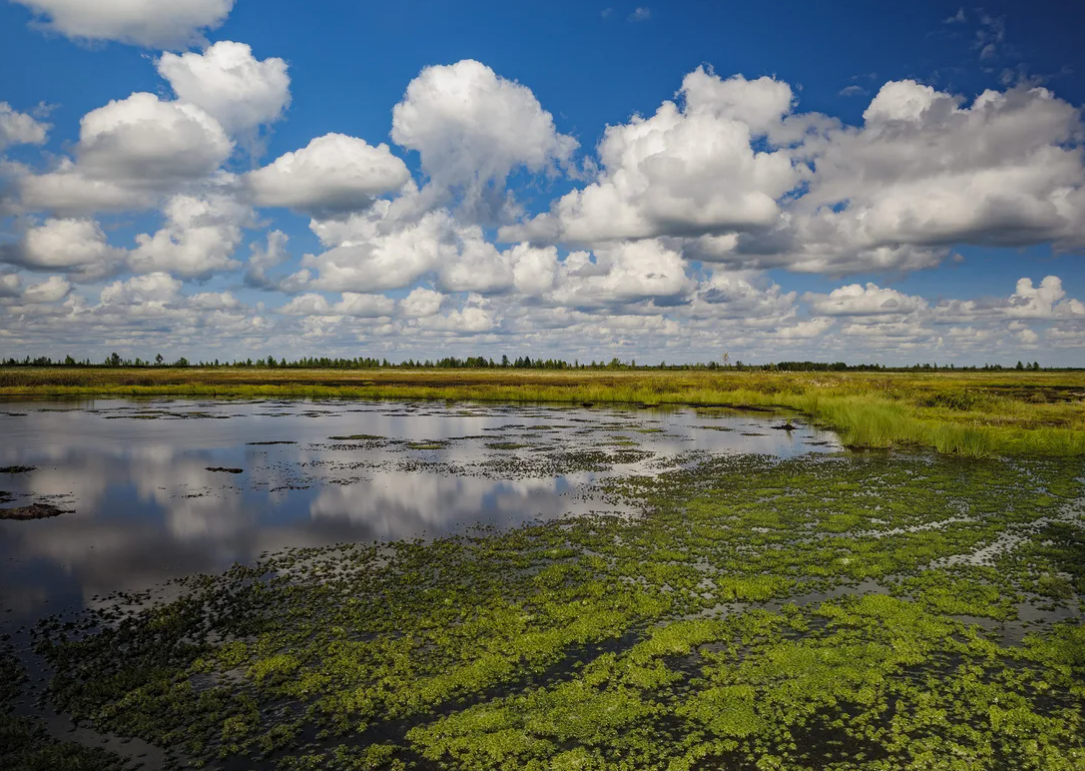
x=965 y=590
x=433 y=444
x=845 y=612
x=506 y=445
x=24 y=744
x=224 y=470
x=838 y=685
x=33 y=511
x=543 y=462
x=17 y=469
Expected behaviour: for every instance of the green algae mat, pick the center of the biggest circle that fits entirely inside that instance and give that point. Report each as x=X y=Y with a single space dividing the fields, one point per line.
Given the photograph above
x=879 y=612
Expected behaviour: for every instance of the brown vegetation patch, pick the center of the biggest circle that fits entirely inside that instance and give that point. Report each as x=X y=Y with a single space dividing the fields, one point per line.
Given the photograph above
x=33 y=511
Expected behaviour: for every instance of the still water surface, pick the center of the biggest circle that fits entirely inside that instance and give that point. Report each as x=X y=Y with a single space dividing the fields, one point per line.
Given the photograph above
x=145 y=505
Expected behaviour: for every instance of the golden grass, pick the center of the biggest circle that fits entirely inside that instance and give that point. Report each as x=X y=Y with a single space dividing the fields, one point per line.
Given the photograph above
x=974 y=413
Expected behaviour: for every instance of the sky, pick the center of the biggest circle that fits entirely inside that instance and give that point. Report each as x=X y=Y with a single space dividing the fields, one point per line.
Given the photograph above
x=860 y=182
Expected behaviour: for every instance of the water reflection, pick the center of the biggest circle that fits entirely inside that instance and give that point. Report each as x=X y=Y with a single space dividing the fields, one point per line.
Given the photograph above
x=146 y=504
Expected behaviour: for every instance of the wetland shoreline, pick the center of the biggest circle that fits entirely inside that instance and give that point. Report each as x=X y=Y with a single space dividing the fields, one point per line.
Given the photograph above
x=973 y=414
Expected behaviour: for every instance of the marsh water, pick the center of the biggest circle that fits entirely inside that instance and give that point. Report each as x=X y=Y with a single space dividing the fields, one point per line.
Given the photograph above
x=158 y=489
x=603 y=561
x=153 y=490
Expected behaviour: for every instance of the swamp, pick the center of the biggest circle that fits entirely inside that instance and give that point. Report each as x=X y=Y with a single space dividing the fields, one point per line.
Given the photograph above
x=472 y=572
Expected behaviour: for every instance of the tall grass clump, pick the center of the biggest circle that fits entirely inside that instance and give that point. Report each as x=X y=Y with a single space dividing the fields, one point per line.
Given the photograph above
x=865 y=423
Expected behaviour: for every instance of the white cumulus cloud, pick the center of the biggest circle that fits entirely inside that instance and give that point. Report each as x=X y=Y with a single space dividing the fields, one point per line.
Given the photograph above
x=1046 y=301
x=687 y=170
x=926 y=172
x=385 y=248
x=18 y=128
x=622 y=273
x=52 y=290
x=129 y=152
x=472 y=127
x=150 y=23
x=858 y=300
x=230 y=84
x=78 y=247
x=421 y=302
x=333 y=174
x=154 y=288
x=199 y=237
x=744 y=295
x=357 y=305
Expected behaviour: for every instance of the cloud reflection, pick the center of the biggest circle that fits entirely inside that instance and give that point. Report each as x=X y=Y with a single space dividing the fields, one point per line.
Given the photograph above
x=147 y=509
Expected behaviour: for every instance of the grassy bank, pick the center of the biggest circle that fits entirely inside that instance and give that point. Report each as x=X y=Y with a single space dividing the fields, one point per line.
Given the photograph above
x=974 y=414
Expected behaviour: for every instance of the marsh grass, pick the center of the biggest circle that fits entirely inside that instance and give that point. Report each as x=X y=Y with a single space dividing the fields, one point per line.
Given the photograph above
x=971 y=414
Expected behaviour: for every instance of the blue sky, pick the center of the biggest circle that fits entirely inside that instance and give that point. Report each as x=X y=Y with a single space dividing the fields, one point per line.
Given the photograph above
x=875 y=213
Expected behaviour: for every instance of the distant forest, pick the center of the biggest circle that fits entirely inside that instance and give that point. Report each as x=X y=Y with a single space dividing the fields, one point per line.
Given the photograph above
x=523 y=362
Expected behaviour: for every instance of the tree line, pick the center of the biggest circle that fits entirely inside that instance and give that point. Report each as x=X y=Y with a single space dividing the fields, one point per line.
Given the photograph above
x=523 y=362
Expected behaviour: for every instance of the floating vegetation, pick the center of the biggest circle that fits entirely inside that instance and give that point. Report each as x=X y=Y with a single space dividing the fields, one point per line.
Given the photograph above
x=17 y=469
x=357 y=438
x=24 y=744
x=841 y=612
x=224 y=470
x=270 y=444
x=558 y=462
x=33 y=511
x=438 y=444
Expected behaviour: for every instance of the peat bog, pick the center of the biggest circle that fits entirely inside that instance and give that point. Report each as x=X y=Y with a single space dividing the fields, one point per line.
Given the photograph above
x=487 y=586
